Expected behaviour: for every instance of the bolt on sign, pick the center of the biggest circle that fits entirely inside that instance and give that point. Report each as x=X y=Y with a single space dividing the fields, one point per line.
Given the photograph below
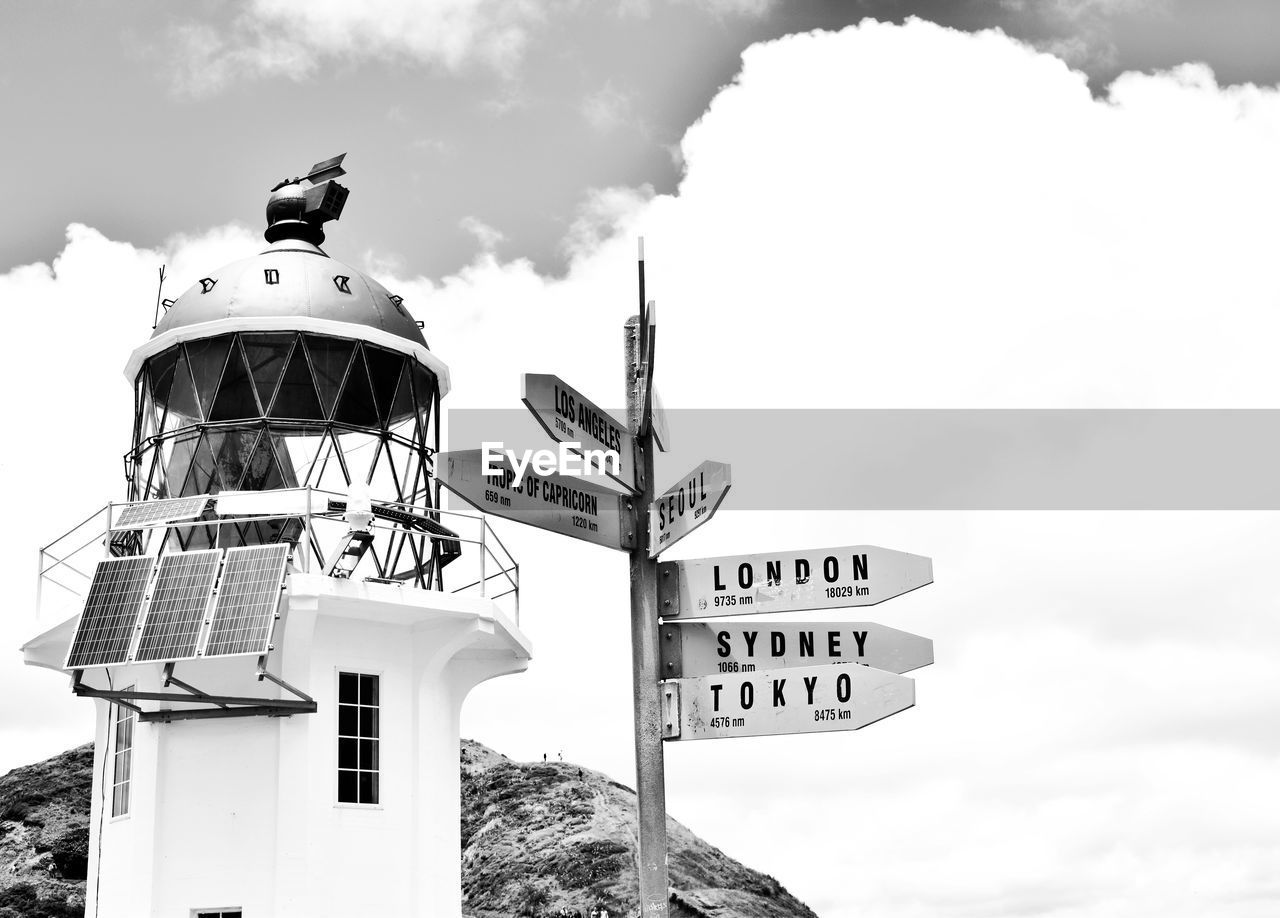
x=568 y=416
x=808 y=700
x=557 y=503
x=788 y=581
x=691 y=502
x=701 y=649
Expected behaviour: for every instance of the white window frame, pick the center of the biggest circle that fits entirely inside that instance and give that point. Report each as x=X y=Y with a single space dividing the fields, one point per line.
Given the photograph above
x=380 y=707
x=121 y=777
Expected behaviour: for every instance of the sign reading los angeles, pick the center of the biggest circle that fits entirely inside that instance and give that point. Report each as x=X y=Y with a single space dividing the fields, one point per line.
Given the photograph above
x=787 y=581
x=700 y=649
x=809 y=700
x=558 y=503
x=688 y=505
x=568 y=416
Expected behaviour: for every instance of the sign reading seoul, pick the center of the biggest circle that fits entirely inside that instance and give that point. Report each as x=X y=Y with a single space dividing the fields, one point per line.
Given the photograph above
x=693 y=501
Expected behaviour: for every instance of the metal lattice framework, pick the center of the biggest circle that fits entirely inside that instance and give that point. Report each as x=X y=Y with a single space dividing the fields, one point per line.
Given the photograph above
x=264 y=410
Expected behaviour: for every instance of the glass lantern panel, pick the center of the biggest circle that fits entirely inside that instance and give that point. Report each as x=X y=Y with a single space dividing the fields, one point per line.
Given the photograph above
x=183 y=407
x=266 y=355
x=160 y=368
x=202 y=478
x=330 y=358
x=178 y=454
x=402 y=405
x=356 y=405
x=235 y=393
x=296 y=397
x=384 y=373
x=359 y=451
x=424 y=391
x=207 y=358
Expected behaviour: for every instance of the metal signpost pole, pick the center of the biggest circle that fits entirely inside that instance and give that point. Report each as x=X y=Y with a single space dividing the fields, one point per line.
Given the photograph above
x=651 y=790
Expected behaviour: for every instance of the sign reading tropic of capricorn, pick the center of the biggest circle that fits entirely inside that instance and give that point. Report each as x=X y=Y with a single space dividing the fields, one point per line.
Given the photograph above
x=698 y=679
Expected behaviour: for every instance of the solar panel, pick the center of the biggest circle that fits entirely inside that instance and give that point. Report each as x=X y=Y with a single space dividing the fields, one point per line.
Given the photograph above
x=110 y=612
x=156 y=512
x=184 y=583
x=244 y=610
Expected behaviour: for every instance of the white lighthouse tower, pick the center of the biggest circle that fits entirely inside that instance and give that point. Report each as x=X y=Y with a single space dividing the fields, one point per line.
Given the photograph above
x=280 y=625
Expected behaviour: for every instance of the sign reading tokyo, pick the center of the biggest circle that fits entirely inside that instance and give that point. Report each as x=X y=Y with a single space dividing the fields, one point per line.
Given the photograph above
x=688 y=505
x=699 y=649
x=557 y=503
x=810 y=700
x=568 y=416
x=822 y=578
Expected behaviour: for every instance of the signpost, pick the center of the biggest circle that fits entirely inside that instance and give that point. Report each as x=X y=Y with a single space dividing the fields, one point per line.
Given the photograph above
x=687 y=505
x=568 y=416
x=559 y=503
x=690 y=679
x=809 y=700
x=723 y=648
x=788 y=581
x=651 y=781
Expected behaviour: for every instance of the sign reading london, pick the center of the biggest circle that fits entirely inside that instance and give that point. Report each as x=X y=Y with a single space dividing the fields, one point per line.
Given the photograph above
x=787 y=581
x=568 y=416
x=700 y=649
x=555 y=502
x=810 y=700
x=688 y=505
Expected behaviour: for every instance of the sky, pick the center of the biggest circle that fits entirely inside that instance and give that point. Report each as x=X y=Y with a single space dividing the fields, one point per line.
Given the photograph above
x=862 y=205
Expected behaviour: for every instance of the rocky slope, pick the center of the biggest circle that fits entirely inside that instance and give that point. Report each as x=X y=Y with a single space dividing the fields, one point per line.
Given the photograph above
x=538 y=840
x=44 y=836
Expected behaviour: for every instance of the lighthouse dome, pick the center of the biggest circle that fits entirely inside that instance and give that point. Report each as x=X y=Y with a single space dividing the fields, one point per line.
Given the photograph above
x=291 y=285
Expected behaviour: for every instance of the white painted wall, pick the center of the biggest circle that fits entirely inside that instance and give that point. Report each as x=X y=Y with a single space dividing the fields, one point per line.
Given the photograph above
x=243 y=812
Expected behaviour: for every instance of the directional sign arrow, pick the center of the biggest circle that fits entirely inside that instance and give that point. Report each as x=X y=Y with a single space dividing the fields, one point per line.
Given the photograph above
x=699 y=649
x=685 y=507
x=807 y=700
x=568 y=416
x=787 y=581
x=648 y=341
x=558 y=503
x=658 y=422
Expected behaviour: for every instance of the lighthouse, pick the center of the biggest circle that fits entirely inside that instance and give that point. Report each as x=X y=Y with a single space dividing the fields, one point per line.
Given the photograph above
x=279 y=625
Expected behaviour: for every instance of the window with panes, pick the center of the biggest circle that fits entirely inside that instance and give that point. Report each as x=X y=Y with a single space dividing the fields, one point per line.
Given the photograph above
x=122 y=757
x=358 y=738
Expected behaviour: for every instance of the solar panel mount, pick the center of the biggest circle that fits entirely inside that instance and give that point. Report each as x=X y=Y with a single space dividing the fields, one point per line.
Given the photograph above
x=159 y=512
x=179 y=600
x=244 y=609
x=111 y=611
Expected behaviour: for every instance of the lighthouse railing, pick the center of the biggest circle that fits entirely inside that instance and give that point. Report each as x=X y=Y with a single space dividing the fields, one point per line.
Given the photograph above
x=435 y=544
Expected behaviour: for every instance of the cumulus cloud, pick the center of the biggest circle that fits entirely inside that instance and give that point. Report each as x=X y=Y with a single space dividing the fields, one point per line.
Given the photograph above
x=486 y=235
x=607 y=108
x=296 y=38
x=891 y=217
